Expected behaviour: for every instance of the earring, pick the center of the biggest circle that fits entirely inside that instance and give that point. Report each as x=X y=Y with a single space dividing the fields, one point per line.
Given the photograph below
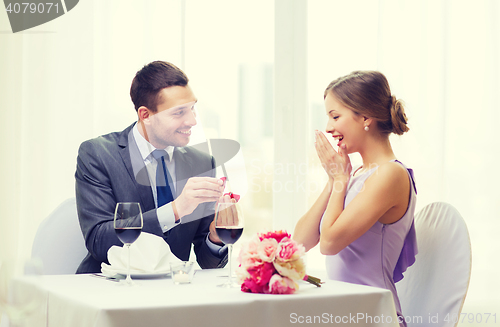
x=367 y=128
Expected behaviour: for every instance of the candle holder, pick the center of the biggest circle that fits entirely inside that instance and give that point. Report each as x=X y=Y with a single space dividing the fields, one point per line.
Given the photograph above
x=182 y=272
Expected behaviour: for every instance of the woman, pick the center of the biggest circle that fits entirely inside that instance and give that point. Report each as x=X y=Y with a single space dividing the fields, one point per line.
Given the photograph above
x=363 y=221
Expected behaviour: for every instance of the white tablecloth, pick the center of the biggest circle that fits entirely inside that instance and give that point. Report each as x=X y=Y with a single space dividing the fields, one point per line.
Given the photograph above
x=85 y=301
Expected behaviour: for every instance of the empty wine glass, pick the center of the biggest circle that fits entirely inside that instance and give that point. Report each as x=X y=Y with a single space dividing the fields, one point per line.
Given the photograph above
x=128 y=226
x=229 y=226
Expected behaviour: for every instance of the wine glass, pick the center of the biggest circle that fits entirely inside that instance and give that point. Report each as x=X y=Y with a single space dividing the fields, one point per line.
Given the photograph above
x=229 y=227
x=128 y=226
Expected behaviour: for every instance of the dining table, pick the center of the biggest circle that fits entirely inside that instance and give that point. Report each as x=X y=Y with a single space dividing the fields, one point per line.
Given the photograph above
x=89 y=300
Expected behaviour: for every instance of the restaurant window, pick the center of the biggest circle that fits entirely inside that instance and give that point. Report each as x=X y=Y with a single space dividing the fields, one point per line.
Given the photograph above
x=229 y=56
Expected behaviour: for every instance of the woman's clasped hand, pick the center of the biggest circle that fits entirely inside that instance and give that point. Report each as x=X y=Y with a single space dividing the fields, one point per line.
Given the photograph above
x=336 y=164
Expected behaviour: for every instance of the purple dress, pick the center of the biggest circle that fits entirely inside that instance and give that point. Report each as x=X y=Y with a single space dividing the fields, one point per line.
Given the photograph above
x=381 y=255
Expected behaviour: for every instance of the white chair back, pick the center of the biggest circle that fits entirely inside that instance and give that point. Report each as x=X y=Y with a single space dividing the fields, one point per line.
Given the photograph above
x=433 y=289
x=59 y=241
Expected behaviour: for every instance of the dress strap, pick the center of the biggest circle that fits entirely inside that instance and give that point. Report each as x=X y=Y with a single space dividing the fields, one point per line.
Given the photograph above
x=410 y=172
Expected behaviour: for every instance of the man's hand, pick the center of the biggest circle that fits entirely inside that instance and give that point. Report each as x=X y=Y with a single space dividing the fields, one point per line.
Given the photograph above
x=226 y=213
x=214 y=238
x=197 y=190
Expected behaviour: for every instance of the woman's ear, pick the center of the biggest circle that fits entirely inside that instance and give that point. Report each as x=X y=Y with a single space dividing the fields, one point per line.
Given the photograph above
x=367 y=121
x=143 y=114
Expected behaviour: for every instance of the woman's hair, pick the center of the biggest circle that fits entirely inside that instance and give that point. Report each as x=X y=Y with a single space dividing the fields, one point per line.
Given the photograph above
x=367 y=93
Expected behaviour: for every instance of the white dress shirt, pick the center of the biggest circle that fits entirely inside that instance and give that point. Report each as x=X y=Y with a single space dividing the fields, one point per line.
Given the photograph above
x=165 y=213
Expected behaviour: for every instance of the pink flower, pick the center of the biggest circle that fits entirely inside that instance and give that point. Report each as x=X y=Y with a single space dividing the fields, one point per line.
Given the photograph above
x=295 y=270
x=278 y=236
x=272 y=263
x=250 y=286
x=289 y=250
x=262 y=274
x=259 y=278
x=249 y=255
x=282 y=285
x=267 y=249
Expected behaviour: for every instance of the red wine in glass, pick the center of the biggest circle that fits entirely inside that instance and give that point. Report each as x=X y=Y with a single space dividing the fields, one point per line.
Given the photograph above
x=229 y=235
x=128 y=236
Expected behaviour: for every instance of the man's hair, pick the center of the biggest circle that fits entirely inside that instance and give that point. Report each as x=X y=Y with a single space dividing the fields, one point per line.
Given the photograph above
x=151 y=79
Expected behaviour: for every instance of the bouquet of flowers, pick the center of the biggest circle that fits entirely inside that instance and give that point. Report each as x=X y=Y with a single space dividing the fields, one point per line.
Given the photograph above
x=272 y=263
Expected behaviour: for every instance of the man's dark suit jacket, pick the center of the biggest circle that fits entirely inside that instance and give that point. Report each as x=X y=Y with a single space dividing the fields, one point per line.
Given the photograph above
x=110 y=169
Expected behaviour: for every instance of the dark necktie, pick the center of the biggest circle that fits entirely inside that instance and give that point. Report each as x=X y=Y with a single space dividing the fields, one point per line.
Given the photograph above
x=163 y=192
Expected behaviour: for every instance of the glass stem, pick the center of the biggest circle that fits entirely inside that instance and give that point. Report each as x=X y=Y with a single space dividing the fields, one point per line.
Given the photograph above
x=230 y=254
x=129 y=279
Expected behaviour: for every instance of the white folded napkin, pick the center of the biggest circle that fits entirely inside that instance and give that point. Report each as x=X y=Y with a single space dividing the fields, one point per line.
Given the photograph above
x=149 y=254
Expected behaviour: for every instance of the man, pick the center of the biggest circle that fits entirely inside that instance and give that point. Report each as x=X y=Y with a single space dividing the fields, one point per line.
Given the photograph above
x=127 y=167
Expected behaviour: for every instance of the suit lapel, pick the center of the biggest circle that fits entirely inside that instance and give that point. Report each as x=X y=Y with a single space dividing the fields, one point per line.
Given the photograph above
x=183 y=169
x=136 y=169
